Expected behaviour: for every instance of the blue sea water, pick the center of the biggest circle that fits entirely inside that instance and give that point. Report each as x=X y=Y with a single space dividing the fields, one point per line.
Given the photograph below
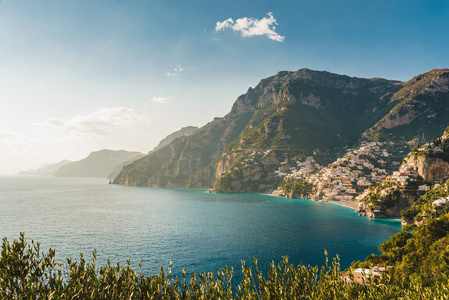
x=191 y=228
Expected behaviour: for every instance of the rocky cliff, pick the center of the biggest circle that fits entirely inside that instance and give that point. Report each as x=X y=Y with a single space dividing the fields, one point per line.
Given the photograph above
x=291 y=114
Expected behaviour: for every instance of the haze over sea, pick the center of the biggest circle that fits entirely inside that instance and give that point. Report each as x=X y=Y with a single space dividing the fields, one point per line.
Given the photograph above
x=192 y=228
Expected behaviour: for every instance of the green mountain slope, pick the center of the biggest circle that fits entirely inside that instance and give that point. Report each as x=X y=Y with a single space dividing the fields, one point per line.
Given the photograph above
x=185 y=131
x=421 y=106
x=286 y=116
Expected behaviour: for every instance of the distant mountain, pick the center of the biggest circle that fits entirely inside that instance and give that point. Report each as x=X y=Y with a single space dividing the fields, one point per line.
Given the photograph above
x=45 y=170
x=291 y=116
x=185 y=131
x=97 y=164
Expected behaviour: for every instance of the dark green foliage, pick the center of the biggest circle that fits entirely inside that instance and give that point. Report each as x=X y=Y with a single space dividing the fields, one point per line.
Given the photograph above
x=297 y=187
x=26 y=274
x=391 y=199
x=394 y=248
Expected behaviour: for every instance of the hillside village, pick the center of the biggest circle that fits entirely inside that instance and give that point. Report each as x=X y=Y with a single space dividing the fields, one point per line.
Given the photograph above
x=414 y=192
x=351 y=174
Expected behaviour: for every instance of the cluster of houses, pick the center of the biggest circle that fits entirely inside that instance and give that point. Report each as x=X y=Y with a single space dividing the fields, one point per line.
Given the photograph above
x=302 y=170
x=441 y=201
x=349 y=175
x=354 y=172
x=364 y=276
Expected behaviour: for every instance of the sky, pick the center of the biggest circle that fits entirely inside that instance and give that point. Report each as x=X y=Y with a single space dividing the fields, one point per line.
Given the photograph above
x=78 y=76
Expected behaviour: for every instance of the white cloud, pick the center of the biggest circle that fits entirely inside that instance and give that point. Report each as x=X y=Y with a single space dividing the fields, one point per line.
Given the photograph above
x=101 y=122
x=160 y=100
x=225 y=24
x=253 y=27
x=177 y=70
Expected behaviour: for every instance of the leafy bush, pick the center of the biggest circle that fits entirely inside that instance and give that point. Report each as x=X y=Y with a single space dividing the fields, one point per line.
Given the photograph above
x=297 y=187
x=27 y=274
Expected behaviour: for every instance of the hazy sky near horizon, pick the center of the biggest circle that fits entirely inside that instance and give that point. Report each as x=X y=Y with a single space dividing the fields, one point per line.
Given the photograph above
x=78 y=76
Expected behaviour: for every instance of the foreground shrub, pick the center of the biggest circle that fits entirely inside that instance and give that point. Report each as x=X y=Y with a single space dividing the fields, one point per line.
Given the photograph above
x=25 y=273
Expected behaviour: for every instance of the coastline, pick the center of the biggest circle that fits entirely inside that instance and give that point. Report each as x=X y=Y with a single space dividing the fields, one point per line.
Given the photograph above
x=346 y=203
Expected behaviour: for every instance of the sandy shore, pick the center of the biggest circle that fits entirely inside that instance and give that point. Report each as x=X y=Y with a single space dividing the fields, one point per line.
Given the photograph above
x=351 y=204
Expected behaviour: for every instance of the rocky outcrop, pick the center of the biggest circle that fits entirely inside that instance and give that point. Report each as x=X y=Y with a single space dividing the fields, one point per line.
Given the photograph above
x=389 y=205
x=430 y=168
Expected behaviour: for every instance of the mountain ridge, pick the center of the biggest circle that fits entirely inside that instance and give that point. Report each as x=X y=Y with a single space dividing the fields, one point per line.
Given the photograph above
x=46 y=169
x=96 y=164
x=290 y=114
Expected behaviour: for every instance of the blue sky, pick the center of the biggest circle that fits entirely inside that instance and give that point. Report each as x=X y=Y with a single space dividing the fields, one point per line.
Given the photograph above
x=78 y=76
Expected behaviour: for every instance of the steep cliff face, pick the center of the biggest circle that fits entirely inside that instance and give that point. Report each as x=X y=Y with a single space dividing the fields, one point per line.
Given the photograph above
x=431 y=169
x=309 y=113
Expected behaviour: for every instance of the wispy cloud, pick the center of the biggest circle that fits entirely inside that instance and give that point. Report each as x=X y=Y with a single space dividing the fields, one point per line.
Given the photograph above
x=253 y=27
x=14 y=142
x=101 y=122
x=177 y=70
x=5 y=136
x=160 y=100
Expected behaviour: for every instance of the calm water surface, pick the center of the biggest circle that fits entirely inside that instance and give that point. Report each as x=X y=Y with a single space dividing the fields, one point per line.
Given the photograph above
x=191 y=228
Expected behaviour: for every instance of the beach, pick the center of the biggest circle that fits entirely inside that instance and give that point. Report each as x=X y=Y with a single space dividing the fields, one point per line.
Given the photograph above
x=351 y=204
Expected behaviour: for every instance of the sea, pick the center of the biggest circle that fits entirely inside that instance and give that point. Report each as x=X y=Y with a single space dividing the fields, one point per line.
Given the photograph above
x=193 y=229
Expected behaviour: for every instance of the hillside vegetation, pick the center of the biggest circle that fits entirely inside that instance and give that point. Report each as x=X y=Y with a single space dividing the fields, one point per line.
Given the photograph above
x=418 y=252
